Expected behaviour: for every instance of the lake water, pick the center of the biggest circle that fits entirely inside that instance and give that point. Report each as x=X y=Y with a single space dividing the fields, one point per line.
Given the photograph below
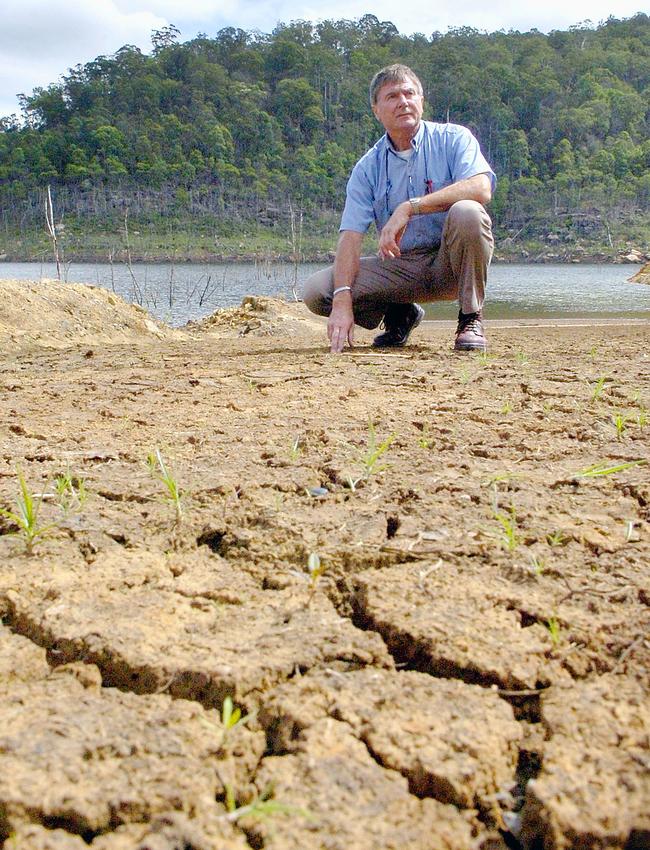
x=178 y=293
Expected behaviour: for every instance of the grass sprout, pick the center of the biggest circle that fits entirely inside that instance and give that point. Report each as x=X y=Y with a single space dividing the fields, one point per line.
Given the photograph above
x=261 y=807
x=315 y=568
x=369 y=461
x=597 y=388
x=232 y=717
x=556 y=538
x=554 y=630
x=508 y=537
x=26 y=517
x=620 y=421
x=70 y=491
x=296 y=449
x=158 y=468
x=538 y=565
x=602 y=469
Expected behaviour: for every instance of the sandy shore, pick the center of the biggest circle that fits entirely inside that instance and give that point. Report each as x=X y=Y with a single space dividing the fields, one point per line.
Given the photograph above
x=470 y=666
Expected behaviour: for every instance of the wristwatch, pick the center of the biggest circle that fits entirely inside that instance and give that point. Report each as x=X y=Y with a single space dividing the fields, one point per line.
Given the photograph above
x=415 y=206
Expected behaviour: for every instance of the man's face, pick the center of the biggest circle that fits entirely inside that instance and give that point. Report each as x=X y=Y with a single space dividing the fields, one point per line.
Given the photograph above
x=399 y=108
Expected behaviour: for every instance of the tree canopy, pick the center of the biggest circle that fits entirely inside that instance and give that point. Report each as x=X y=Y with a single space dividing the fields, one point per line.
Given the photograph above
x=563 y=118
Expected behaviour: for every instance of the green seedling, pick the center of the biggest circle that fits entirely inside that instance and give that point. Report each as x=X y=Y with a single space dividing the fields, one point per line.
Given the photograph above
x=602 y=469
x=26 y=517
x=597 y=389
x=463 y=376
x=506 y=408
x=538 y=565
x=521 y=358
x=484 y=358
x=593 y=351
x=159 y=470
x=315 y=568
x=425 y=442
x=296 y=449
x=642 y=418
x=70 y=491
x=261 y=807
x=629 y=530
x=620 y=422
x=231 y=717
x=369 y=461
x=556 y=538
x=553 y=626
x=508 y=537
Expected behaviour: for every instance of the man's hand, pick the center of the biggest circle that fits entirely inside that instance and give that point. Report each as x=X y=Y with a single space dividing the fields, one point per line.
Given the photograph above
x=340 y=326
x=392 y=231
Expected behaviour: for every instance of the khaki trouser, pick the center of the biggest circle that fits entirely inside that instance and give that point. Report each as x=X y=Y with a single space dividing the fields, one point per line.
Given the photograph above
x=458 y=269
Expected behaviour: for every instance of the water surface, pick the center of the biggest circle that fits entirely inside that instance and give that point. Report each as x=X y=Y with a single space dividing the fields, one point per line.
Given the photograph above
x=177 y=293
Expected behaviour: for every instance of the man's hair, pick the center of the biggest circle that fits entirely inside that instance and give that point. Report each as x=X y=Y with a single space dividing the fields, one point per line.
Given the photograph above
x=392 y=74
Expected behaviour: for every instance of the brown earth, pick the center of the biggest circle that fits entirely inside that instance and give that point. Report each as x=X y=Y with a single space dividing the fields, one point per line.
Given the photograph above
x=469 y=671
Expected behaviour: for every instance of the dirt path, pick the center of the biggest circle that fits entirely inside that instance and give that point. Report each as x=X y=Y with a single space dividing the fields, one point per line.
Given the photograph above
x=469 y=671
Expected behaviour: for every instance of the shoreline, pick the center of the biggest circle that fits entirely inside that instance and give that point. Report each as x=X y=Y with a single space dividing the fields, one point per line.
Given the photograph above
x=523 y=258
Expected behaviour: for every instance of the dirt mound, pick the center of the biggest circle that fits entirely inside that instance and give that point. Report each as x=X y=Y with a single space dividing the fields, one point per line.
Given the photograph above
x=642 y=276
x=55 y=315
x=260 y=315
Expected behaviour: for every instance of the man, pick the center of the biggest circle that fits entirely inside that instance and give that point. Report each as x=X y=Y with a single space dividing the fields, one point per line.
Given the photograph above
x=425 y=186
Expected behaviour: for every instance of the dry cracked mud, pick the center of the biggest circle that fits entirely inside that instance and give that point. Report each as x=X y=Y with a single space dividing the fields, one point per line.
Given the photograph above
x=467 y=669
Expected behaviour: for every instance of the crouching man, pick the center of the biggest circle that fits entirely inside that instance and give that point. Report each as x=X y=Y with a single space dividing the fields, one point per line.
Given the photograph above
x=425 y=185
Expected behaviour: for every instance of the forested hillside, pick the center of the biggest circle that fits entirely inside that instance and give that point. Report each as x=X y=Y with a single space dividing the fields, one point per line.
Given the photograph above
x=249 y=130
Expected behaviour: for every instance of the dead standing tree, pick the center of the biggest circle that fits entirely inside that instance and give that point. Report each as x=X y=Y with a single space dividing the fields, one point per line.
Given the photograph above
x=51 y=229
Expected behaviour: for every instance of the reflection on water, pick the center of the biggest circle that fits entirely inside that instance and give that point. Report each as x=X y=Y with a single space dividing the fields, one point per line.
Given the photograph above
x=177 y=293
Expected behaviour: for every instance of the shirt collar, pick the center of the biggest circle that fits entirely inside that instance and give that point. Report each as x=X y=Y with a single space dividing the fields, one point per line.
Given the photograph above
x=415 y=141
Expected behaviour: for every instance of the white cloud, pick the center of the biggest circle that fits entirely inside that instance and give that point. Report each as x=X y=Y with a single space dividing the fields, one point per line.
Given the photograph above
x=40 y=41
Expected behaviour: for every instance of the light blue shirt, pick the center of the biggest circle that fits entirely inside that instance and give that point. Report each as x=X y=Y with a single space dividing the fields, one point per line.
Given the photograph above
x=442 y=154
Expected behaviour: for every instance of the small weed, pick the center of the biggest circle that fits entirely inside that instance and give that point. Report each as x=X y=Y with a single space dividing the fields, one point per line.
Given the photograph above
x=484 y=358
x=556 y=538
x=231 y=717
x=553 y=626
x=593 y=351
x=506 y=407
x=70 y=491
x=426 y=440
x=315 y=568
x=159 y=470
x=26 y=518
x=296 y=449
x=521 y=358
x=369 y=461
x=261 y=807
x=597 y=389
x=642 y=418
x=463 y=376
x=538 y=565
x=508 y=535
x=620 y=421
x=602 y=469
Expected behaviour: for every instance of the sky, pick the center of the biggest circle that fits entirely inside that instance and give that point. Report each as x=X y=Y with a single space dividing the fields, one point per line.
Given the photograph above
x=41 y=39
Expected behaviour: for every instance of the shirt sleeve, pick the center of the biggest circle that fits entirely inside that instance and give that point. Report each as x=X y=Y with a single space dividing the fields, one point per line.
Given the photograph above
x=465 y=156
x=358 y=213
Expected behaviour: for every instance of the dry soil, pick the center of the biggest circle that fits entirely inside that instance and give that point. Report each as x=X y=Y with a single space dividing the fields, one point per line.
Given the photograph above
x=466 y=666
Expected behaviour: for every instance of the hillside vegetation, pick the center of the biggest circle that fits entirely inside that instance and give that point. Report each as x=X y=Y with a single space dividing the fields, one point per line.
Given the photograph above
x=241 y=142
